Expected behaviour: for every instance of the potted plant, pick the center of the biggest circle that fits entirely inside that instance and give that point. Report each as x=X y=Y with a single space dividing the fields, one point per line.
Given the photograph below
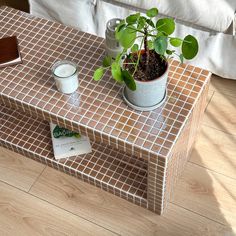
x=143 y=66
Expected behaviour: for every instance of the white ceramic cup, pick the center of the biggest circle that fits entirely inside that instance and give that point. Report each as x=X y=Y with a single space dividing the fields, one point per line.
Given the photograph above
x=65 y=74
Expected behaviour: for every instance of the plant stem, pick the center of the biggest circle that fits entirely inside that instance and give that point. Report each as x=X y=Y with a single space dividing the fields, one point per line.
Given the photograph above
x=146 y=49
x=139 y=54
x=136 y=30
x=129 y=63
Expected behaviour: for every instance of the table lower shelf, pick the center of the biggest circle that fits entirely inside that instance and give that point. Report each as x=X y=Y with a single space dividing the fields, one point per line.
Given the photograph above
x=106 y=167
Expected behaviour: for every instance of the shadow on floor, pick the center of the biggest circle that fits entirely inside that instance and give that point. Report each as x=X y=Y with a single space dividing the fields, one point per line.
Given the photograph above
x=211 y=197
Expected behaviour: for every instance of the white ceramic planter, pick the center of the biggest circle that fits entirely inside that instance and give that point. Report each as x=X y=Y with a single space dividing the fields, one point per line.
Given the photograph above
x=148 y=94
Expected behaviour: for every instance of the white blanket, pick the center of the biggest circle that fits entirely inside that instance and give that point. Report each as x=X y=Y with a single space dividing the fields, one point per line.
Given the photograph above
x=215 y=15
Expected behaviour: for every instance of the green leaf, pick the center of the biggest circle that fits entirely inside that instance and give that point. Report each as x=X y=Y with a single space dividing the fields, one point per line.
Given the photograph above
x=135 y=48
x=118 y=57
x=150 y=22
x=189 y=47
x=166 y=25
x=129 y=80
x=150 y=44
x=98 y=73
x=132 y=19
x=119 y=27
x=129 y=56
x=181 y=57
x=169 y=52
x=127 y=36
x=176 y=42
x=160 y=45
x=152 y=12
x=107 y=61
x=77 y=135
x=116 y=72
x=160 y=34
x=141 y=22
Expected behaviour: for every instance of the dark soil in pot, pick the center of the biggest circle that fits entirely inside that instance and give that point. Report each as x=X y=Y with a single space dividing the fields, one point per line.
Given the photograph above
x=156 y=66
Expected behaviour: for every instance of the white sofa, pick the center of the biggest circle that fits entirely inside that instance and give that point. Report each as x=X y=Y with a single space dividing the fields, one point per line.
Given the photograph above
x=213 y=22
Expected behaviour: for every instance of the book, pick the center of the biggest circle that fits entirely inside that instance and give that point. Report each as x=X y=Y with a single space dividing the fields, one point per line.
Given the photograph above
x=67 y=143
x=9 y=52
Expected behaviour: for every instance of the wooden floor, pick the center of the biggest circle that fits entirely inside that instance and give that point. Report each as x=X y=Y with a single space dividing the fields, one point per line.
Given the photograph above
x=37 y=200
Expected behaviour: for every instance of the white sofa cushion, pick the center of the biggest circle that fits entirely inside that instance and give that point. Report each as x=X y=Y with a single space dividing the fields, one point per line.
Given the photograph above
x=211 y=14
x=69 y=12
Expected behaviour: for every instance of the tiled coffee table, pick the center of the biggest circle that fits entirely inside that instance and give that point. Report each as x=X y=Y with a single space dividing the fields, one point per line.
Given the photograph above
x=136 y=155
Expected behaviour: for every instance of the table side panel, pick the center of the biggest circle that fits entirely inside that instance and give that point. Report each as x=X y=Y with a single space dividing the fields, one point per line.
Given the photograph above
x=163 y=174
x=180 y=155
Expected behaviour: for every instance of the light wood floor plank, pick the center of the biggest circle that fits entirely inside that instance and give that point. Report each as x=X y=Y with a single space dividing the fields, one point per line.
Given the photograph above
x=116 y=214
x=18 y=171
x=221 y=113
x=215 y=150
x=22 y=214
x=210 y=95
x=223 y=86
x=207 y=193
x=178 y=221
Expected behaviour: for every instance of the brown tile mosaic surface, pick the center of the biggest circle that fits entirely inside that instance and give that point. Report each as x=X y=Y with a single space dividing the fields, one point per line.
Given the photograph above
x=147 y=184
x=113 y=171
x=97 y=108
